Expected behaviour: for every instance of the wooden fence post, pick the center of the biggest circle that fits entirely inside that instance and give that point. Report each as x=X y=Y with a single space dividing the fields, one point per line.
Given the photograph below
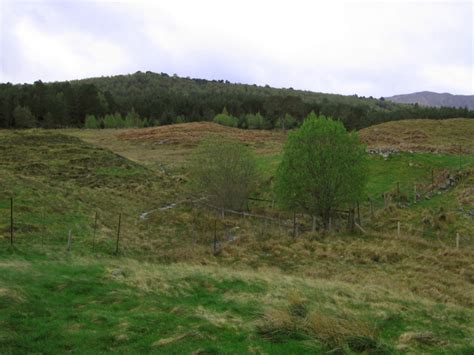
x=118 y=234
x=414 y=192
x=432 y=178
x=457 y=240
x=11 y=221
x=398 y=192
x=398 y=228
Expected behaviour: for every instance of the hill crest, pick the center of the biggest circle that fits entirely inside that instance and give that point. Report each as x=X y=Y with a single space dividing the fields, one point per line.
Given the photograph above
x=429 y=98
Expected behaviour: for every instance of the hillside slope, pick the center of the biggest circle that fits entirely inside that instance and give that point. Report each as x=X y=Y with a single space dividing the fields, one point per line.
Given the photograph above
x=428 y=98
x=446 y=136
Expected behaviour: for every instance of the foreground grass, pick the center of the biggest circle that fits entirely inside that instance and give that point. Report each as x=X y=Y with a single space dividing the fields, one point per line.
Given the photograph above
x=90 y=305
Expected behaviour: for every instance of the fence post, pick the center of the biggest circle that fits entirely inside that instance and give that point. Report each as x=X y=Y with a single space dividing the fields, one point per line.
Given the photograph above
x=457 y=240
x=95 y=230
x=398 y=192
x=118 y=234
x=398 y=228
x=11 y=221
x=414 y=193
x=432 y=178
x=313 y=229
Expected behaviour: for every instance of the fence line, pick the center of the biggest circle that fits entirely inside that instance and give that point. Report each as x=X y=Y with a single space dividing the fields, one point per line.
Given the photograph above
x=421 y=190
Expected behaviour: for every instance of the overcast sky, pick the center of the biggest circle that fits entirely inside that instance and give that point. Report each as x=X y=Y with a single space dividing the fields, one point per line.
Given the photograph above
x=377 y=48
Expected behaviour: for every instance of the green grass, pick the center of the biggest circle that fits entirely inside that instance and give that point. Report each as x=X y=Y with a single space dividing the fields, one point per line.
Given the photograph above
x=91 y=305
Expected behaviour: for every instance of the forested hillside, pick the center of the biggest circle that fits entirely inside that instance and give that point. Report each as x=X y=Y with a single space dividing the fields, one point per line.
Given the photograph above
x=164 y=99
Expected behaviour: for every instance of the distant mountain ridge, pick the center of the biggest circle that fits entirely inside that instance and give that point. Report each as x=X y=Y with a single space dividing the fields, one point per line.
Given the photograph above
x=428 y=98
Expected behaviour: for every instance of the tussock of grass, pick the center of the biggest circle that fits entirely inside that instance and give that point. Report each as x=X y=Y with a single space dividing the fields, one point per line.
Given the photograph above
x=333 y=331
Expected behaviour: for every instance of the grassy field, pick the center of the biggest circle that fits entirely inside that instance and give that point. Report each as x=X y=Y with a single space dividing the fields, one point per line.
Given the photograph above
x=439 y=136
x=166 y=291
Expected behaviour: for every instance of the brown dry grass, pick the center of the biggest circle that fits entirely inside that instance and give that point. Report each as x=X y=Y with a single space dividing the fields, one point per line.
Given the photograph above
x=167 y=147
x=423 y=135
x=190 y=134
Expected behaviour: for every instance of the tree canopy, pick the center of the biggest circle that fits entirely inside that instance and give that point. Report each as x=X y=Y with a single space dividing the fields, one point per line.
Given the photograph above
x=323 y=168
x=164 y=99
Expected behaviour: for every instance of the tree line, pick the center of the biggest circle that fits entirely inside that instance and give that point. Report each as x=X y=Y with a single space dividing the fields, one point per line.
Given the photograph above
x=160 y=99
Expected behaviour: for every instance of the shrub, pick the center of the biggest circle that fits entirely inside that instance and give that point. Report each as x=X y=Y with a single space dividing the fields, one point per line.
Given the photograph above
x=224 y=171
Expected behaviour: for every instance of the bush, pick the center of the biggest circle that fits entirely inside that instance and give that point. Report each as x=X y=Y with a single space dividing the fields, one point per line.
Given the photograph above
x=224 y=171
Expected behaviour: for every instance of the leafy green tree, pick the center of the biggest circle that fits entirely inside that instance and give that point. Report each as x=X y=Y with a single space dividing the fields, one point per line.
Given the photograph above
x=91 y=122
x=286 y=122
x=133 y=119
x=257 y=121
x=110 y=121
x=226 y=120
x=323 y=168
x=23 y=117
x=224 y=171
x=180 y=119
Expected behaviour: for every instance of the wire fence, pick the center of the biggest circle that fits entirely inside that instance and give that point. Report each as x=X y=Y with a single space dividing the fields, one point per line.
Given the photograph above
x=23 y=226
